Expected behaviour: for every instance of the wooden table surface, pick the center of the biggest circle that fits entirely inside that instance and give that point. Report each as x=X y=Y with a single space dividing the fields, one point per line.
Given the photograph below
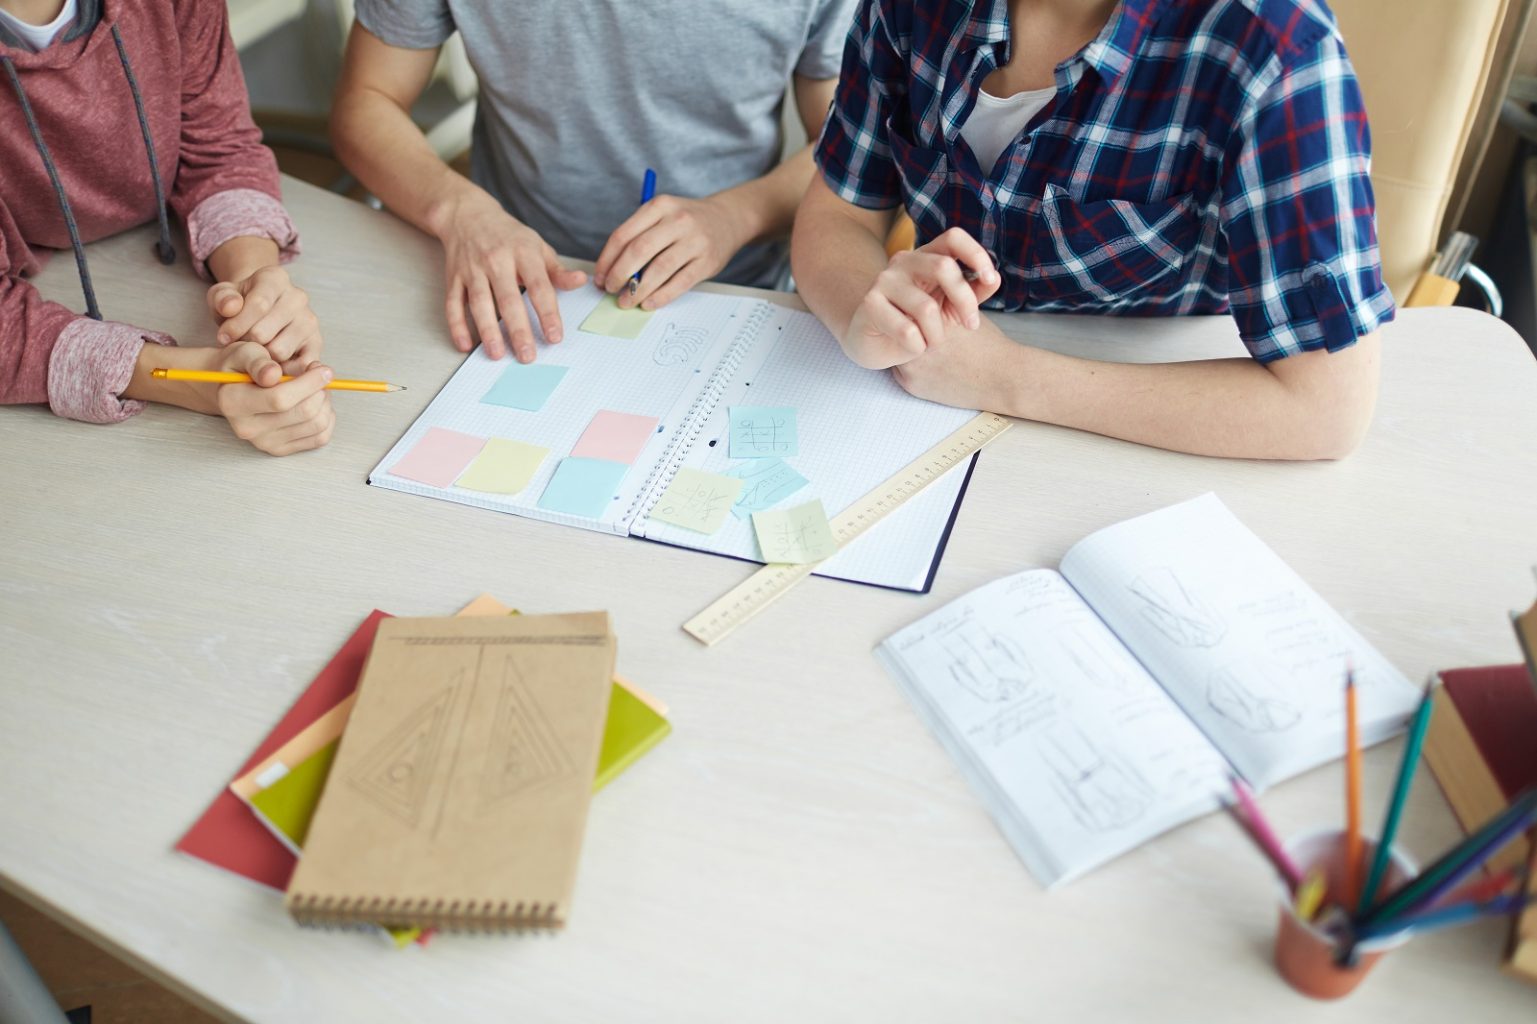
x=800 y=848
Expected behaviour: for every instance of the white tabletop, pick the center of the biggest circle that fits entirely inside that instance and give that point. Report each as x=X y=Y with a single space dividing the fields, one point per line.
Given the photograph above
x=800 y=847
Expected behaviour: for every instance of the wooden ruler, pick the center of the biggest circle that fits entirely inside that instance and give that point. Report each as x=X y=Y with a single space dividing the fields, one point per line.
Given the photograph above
x=763 y=587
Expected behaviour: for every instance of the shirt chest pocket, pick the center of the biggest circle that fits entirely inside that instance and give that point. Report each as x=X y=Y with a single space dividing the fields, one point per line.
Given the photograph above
x=1108 y=252
x=923 y=173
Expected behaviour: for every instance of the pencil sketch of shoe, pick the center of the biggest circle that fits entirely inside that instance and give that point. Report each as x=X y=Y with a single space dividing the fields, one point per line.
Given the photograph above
x=1100 y=669
x=1176 y=612
x=991 y=668
x=1250 y=695
x=1100 y=790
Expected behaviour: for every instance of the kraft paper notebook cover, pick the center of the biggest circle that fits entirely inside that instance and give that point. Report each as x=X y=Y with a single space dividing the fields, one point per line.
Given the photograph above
x=459 y=794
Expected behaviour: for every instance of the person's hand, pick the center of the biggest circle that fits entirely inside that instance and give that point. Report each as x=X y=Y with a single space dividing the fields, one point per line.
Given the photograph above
x=488 y=257
x=678 y=242
x=271 y=310
x=919 y=293
x=277 y=418
x=969 y=369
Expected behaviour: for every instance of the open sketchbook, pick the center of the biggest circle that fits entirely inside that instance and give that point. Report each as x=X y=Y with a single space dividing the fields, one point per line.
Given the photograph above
x=690 y=363
x=1094 y=708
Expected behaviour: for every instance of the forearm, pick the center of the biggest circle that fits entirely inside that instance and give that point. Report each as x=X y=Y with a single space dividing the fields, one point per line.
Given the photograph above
x=767 y=205
x=380 y=144
x=239 y=258
x=835 y=259
x=1234 y=408
x=188 y=395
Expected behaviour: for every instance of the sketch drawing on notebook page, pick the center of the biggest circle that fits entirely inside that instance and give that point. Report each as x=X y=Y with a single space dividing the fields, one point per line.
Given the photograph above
x=1175 y=611
x=1099 y=788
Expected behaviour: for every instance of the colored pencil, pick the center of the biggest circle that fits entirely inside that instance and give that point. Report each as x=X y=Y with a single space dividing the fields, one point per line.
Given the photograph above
x=1483 y=888
x=1254 y=823
x=1406 y=768
x=1352 y=793
x=1458 y=862
x=647 y=193
x=1444 y=917
x=224 y=377
x=1310 y=894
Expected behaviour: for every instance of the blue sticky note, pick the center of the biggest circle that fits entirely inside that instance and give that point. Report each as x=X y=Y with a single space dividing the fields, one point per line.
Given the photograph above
x=763 y=432
x=765 y=483
x=583 y=487
x=525 y=386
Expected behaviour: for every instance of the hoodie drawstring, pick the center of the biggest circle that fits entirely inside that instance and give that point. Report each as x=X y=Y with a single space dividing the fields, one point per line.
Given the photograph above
x=163 y=248
x=91 y=309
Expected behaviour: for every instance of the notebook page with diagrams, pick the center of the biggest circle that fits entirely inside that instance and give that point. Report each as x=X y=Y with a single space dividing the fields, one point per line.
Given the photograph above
x=1096 y=707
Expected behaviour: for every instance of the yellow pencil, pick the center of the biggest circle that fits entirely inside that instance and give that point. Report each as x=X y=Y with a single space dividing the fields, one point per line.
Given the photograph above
x=1310 y=894
x=1352 y=793
x=226 y=377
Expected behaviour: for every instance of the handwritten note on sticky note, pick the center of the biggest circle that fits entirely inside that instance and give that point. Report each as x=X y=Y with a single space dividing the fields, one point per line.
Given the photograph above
x=438 y=457
x=800 y=534
x=763 y=432
x=525 y=386
x=697 y=501
x=503 y=467
x=611 y=321
x=765 y=483
x=583 y=487
x=616 y=436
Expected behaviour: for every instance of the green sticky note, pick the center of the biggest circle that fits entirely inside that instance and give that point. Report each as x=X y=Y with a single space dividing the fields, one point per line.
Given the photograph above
x=611 y=321
x=697 y=501
x=799 y=535
x=503 y=467
x=289 y=803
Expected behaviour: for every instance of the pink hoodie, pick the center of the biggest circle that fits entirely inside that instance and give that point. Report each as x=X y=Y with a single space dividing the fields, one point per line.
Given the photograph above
x=218 y=179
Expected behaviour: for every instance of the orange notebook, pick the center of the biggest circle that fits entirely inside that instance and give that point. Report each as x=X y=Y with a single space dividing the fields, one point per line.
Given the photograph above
x=459 y=794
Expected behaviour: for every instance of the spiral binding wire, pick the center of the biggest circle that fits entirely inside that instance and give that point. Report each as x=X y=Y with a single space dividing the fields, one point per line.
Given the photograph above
x=482 y=916
x=699 y=413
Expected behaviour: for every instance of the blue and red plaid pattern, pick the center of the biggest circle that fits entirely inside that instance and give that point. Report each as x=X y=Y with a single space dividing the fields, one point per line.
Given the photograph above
x=1199 y=156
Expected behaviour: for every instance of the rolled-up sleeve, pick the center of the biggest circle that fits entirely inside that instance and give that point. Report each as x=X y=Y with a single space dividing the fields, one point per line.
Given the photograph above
x=854 y=153
x=91 y=365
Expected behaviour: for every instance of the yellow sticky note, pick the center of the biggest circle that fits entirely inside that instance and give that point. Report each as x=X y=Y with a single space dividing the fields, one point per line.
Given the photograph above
x=608 y=319
x=503 y=467
x=697 y=501
x=799 y=535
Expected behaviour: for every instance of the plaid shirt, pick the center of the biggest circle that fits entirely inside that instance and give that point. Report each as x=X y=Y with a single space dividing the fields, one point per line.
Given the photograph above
x=1199 y=156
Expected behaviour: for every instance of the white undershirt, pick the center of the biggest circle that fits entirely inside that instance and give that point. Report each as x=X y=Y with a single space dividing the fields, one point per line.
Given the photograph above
x=995 y=123
x=37 y=37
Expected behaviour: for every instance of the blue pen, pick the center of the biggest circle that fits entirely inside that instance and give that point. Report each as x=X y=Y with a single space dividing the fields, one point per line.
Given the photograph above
x=647 y=192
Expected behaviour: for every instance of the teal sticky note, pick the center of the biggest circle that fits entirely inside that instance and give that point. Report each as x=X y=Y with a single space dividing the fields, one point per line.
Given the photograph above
x=763 y=432
x=583 y=487
x=765 y=483
x=525 y=386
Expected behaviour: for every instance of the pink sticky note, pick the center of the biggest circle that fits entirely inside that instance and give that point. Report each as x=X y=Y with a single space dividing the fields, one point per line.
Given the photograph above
x=615 y=436
x=439 y=457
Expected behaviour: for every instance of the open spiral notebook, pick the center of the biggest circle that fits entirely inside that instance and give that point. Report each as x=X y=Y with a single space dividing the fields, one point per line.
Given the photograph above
x=693 y=361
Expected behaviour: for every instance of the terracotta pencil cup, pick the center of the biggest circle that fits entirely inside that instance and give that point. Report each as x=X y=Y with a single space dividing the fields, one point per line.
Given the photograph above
x=1307 y=953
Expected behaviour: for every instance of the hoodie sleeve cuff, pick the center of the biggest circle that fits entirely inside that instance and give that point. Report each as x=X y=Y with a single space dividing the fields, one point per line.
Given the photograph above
x=239 y=213
x=90 y=366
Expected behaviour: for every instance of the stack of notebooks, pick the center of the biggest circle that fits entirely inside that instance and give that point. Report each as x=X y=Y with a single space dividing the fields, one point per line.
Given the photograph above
x=1482 y=749
x=459 y=788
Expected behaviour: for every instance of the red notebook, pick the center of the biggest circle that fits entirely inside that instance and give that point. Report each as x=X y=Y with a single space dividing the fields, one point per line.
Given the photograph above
x=228 y=834
x=1482 y=749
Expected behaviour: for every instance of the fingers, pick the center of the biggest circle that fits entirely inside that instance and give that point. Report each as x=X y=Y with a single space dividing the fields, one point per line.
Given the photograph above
x=566 y=279
x=515 y=323
x=881 y=317
x=483 y=311
x=944 y=275
x=224 y=300
x=639 y=252
x=253 y=359
x=244 y=401
x=290 y=328
x=956 y=243
x=458 y=326
x=313 y=432
x=541 y=295
x=637 y=224
x=915 y=303
x=692 y=273
x=261 y=294
x=662 y=270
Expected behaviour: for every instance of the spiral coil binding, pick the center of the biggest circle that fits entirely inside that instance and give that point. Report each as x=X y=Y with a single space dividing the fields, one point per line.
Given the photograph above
x=475 y=916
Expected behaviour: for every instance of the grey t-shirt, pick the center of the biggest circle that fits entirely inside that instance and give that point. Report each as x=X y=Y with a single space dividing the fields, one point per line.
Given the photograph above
x=579 y=97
